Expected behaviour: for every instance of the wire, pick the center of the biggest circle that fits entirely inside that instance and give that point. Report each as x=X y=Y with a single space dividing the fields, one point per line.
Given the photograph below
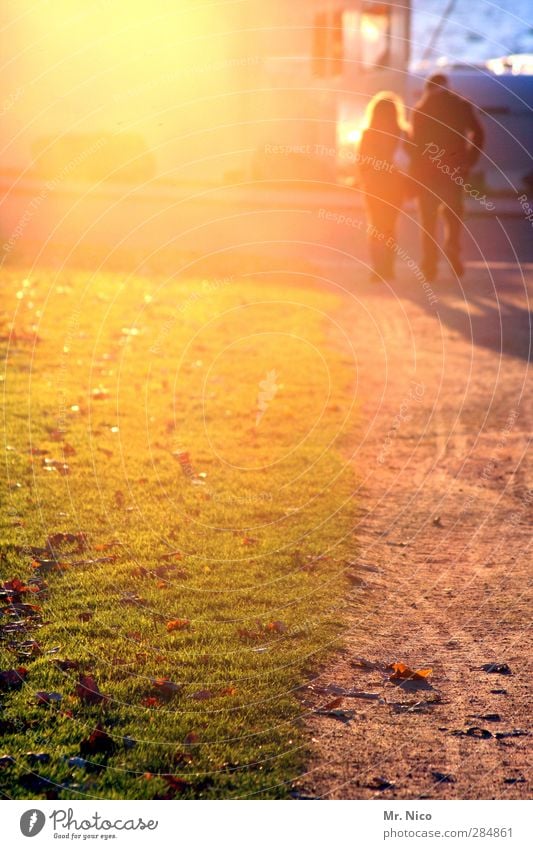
x=438 y=30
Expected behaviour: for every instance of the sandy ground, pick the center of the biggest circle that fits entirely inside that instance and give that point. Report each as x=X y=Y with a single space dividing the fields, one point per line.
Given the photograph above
x=443 y=533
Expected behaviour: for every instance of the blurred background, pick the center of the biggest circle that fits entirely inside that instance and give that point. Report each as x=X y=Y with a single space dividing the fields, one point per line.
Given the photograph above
x=132 y=124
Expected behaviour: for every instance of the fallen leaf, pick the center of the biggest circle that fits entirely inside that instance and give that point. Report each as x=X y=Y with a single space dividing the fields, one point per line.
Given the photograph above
x=498 y=668
x=51 y=465
x=516 y=732
x=26 y=649
x=37 y=784
x=404 y=673
x=191 y=739
x=85 y=616
x=150 y=701
x=99 y=742
x=335 y=703
x=45 y=698
x=66 y=664
x=202 y=695
x=166 y=689
x=12 y=679
x=77 y=763
x=15 y=587
x=59 y=539
x=229 y=691
x=88 y=691
x=380 y=784
x=475 y=731
x=175 y=783
x=178 y=625
x=442 y=777
x=278 y=627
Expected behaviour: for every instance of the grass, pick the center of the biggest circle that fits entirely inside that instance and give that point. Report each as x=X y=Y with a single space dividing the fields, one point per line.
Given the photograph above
x=108 y=378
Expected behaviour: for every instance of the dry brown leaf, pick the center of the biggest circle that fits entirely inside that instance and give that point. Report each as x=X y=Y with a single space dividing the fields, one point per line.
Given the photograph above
x=333 y=705
x=402 y=672
x=278 y=627
x=178 y=625
x=88 y=691
x=202 y=695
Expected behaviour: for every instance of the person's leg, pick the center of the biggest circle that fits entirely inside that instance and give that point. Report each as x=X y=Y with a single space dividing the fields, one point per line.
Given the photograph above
x=376 y=234
x=389 y=221
x=428 y=205
x=453 y=223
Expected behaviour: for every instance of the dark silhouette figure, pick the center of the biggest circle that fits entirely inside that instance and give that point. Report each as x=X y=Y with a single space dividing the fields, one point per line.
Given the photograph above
x=447 y=139
x=382 y=183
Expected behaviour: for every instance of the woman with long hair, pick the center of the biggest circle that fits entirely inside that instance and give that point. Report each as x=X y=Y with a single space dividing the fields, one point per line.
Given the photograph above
x=381 y=142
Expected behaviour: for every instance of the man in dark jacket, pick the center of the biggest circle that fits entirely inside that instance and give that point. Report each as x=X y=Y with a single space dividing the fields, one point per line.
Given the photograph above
x=447 y=139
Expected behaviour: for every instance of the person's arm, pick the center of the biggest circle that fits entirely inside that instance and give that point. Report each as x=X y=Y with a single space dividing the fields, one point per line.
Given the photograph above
x=408 y=143
x=364 y=146
x=476 y=135
x=417 y=138
x=364 y=155
x=416 y=122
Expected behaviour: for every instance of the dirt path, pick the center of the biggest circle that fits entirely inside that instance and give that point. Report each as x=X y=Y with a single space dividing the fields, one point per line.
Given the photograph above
x=443 y=548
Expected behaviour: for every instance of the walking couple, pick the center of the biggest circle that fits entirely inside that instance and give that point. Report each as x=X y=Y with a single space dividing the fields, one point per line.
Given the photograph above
x=442 y=144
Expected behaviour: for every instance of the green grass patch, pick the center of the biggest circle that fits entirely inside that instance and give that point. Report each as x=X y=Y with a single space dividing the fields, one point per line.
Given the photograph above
x=189 y=436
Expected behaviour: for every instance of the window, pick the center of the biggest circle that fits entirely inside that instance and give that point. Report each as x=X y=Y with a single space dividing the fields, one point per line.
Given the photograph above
x=375 y=35
x=328 y=44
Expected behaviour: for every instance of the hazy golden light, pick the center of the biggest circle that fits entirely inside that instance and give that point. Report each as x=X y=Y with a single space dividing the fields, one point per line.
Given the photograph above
x=149 y=72
x=370 y=29
x=349 y=133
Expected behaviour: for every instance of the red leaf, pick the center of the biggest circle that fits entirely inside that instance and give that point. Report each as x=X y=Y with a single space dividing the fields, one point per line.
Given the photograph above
x=278 y=627
x=16 y=586
x=191 y=739
x=229 y=691
x=178 y=624
x=88 y=691
x=175 y=783
x=150 y=701
x=12 y=679
x=98 y=742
